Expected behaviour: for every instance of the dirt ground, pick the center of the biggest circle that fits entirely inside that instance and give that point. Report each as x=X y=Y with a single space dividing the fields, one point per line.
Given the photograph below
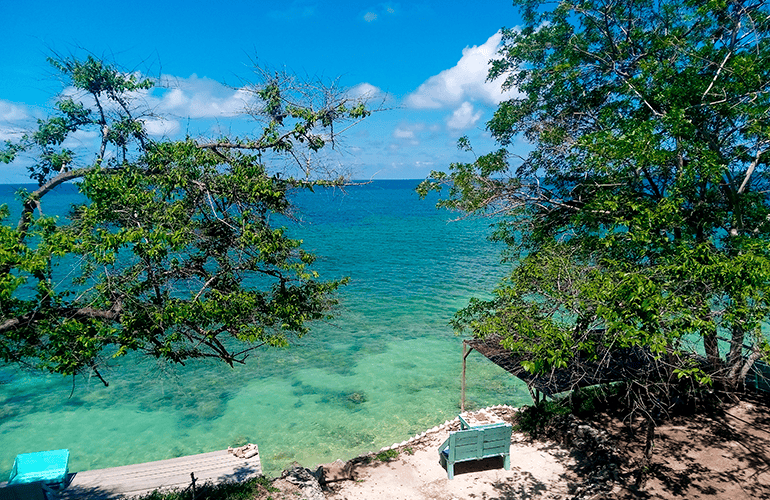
x=721 y=455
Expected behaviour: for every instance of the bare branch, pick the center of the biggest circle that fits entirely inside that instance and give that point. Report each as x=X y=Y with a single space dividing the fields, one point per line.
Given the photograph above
x=750 y=170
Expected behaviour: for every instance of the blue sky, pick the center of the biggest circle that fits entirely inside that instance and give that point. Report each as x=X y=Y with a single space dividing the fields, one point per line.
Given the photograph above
x=428 y=60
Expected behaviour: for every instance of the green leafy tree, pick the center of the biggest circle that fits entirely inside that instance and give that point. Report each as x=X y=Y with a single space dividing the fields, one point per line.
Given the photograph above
x=178 y=251
x=638 y=220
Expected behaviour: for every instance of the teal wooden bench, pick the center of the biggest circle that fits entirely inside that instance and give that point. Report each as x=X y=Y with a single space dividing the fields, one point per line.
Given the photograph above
x=476 y=443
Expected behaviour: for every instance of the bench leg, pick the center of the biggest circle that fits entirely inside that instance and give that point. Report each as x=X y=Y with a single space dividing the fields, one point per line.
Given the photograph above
x=507 y=462
x=450 y=470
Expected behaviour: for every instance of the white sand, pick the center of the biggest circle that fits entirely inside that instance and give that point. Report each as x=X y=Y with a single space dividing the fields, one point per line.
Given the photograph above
x=537 y=471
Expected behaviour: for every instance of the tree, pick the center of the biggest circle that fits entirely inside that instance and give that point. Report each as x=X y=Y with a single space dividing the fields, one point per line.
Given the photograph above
x=177 y=251
x=639 y=218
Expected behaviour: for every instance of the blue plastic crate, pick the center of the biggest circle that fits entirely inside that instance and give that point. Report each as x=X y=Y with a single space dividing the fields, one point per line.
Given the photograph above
x=50 y=467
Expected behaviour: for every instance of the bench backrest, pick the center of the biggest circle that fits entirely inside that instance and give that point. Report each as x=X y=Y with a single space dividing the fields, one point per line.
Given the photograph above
x=479 y=443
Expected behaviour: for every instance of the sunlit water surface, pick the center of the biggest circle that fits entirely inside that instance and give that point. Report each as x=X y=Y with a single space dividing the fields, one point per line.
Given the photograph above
x=387 y=368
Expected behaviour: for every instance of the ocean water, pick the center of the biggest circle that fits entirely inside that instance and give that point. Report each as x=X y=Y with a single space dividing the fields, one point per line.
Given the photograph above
x=386 y=368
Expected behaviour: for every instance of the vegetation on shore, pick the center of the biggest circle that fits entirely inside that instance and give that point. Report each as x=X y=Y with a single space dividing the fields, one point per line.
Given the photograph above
x=260 y=487
x=639 y=221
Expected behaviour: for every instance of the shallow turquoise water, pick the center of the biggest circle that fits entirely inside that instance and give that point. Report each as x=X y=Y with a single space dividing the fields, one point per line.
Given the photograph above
x=387 y=368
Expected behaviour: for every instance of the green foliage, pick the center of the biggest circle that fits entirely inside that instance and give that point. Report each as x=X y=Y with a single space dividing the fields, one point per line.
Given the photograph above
x=387 y=455
x=587 y=401
x=639 y=219
x=245 y=490
x=176 y=252
x=584 y=402
x=298 y=114
x=534 y=420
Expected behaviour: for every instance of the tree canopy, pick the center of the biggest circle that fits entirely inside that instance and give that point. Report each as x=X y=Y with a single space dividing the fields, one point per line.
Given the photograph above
x=179 y=250
x=639 y=217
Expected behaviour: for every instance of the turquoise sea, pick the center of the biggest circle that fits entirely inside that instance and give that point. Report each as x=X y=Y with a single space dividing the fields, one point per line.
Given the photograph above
x=387 y=368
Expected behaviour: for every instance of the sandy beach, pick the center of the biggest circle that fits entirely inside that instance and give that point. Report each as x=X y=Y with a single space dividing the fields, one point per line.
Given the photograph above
x=538 y=470
x=718 y=455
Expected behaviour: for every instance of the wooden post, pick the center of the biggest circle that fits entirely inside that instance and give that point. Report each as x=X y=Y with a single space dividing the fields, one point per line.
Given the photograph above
x=462 y=390
x=465 y=356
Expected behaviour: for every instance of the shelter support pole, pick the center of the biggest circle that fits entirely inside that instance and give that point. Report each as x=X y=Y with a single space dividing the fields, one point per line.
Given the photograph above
x=465 y=356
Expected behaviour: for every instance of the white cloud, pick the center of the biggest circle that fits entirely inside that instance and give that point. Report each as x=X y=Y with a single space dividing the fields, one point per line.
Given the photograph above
x=81 y=139
x=160 y=127
x=191 y=97
x=463 y=117
x=10 y=112
x=365 y=91
x=13 y=118
x=400 y=133
x=195 y=97
x=161 y=108
x=381 y=11
x=407 y=133
x=10 y=134
x=466 y=81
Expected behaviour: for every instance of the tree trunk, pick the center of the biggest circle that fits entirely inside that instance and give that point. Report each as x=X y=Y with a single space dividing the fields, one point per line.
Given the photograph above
x=649 y=442
x=711 y=346
x=740 y=369
x=735 y=361
x=649 y=445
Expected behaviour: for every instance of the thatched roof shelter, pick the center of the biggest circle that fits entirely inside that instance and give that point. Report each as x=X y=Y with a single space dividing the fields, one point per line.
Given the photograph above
x=610 y=366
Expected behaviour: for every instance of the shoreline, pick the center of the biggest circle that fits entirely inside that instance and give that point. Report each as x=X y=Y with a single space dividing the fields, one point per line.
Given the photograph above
x=709 y=456
x=453 y=424
x=414 y=471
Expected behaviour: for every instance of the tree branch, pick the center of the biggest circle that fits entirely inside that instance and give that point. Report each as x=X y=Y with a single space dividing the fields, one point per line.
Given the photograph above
x=112 y=314
x=750 y=170
x=31 y=203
